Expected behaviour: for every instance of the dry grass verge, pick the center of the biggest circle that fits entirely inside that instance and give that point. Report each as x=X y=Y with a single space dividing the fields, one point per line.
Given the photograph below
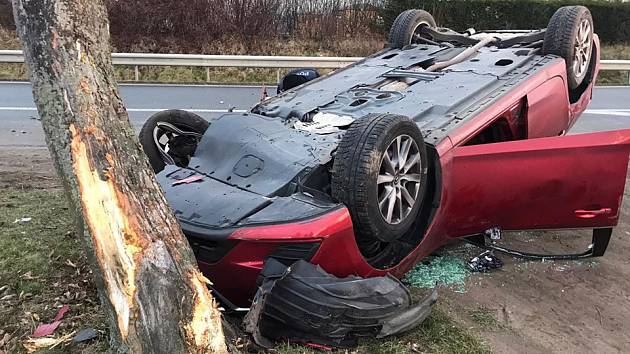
x=198 y=75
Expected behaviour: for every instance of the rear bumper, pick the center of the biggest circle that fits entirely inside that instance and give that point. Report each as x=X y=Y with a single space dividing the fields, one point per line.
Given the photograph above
x=327 y=240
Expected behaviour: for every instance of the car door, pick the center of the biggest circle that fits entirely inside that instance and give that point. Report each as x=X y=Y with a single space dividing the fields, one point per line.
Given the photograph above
x=574 y=181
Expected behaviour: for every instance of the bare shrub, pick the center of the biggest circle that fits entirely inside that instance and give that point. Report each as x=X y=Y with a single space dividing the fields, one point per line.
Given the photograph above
x=163 y=25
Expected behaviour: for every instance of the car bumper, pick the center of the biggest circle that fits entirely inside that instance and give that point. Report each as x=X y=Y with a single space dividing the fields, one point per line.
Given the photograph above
x=326 y=240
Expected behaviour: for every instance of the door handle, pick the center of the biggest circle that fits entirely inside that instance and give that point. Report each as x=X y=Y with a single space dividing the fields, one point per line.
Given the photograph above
x=589 y=214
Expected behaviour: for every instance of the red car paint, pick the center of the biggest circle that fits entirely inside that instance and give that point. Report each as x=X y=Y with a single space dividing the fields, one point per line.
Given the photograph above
x=543 y=181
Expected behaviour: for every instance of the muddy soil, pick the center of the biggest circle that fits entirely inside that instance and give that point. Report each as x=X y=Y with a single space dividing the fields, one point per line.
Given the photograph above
x=533 y=306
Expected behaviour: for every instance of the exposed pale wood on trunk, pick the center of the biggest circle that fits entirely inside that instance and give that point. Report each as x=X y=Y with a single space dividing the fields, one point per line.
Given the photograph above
x=155 y=296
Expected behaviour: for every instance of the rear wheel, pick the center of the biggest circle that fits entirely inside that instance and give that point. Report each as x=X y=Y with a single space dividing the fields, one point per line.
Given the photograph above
x=380 y=174
x=171 y=137
x=407 y=27
x=570 y=35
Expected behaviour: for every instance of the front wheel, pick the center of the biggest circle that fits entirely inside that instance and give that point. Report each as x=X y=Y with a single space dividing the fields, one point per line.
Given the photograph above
x=171 y=137
x=380 y=174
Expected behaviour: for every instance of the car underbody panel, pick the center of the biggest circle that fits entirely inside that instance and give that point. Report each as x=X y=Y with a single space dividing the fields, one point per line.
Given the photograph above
x=395 y=81
x=253 y=171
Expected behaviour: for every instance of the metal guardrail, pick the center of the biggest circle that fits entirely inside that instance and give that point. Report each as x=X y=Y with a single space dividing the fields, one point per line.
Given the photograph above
x=244 y=61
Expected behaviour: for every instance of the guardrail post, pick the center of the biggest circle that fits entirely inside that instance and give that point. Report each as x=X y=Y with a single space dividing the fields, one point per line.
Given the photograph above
x=207 y=74
x=628 y=77
x=136 y=72
x=277 y=75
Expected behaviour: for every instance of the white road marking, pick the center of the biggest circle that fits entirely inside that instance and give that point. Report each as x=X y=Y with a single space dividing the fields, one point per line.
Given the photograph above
x=196 y=110
x=610 y=112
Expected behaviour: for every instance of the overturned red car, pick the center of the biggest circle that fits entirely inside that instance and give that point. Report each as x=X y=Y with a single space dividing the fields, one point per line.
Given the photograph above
x=369 y=169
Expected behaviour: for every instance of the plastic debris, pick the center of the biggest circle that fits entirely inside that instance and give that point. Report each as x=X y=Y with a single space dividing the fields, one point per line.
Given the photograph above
x=447 y=270
x=332 y=119
x=85 y=335
x=316 y=127
x=303 y=304
x=22 y=220
x=485 y=262
x=46 y=329
x=189 y=180
x=62 y=312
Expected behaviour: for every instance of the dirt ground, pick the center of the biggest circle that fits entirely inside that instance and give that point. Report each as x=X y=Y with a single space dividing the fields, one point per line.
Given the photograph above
x=525 y=307
x=559 y=307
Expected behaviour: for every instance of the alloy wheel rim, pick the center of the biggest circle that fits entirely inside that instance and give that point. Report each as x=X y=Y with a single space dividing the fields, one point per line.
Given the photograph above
x=583 y=47
x=399 y=178
x=417 y=31
x=164 y=133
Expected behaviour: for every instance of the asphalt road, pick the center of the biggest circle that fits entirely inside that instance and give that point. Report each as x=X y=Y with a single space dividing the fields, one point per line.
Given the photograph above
x=19 y=126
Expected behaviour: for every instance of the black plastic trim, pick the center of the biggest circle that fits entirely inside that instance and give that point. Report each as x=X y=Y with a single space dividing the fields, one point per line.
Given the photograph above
x=597 y=248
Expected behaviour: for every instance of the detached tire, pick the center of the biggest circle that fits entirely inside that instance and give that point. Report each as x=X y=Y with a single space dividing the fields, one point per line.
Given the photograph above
x=570 y=36
x=380 y=174
x=180 y=146
x=406 y=25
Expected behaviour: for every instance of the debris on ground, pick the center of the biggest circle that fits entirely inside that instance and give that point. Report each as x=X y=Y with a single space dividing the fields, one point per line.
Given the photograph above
x=5 y=338
x=34 y=344
x=22 y=220
x=62 y=312
x=46 y=329
x=189 y=180
x=446 y=270
x=485 y=262
x=303 y=304
x=85 y=335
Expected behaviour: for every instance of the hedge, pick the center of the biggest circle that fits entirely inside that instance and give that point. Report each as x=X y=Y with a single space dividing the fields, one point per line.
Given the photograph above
x=6 y=14
x=611 y=18
x=188 y=25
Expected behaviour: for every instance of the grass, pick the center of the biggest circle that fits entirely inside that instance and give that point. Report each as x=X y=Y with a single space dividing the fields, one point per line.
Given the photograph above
x=42 y=267
x=614 y=77
x=437 y=334
x=484 y=317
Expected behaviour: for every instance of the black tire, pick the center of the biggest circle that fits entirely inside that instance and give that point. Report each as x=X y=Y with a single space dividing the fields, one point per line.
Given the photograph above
x=561 y=39
x=406 y=24
x=183 y=120
x=356 y=168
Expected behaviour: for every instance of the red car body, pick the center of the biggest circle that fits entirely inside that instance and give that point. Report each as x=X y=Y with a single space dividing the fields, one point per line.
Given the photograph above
x=547 y=180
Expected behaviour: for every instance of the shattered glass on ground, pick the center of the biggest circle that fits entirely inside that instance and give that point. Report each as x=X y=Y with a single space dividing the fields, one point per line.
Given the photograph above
x=447 y=270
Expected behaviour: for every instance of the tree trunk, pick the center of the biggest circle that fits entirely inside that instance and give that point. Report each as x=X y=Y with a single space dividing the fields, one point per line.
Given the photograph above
x=155 y=296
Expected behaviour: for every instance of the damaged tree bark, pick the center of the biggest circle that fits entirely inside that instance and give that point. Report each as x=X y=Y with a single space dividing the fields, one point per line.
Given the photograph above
x=152 y=291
